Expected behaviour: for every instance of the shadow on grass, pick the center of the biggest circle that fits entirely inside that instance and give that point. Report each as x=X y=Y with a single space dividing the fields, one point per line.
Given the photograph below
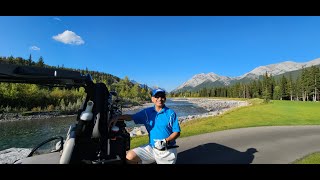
x=213 y=153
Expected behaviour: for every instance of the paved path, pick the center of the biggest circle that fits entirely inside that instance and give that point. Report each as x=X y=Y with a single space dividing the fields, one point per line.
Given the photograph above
x=257 y=145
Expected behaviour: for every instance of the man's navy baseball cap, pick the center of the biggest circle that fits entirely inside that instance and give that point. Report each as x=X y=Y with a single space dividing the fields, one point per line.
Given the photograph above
x=156 y=91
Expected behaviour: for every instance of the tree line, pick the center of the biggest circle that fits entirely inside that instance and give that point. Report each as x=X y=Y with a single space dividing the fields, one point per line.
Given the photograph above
x=305 y=87
x=19 y=97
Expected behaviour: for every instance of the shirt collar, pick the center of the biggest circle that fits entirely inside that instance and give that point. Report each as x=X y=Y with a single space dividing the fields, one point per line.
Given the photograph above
x=162 y=110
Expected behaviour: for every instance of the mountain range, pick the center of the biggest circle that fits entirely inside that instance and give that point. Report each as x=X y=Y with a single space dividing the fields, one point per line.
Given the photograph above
x=211 y=79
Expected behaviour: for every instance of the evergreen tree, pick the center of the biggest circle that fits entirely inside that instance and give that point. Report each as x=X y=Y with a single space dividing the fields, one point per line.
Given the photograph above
x=30 y=60
x=266 y=85
x=290 y=88
x=315 y=76
x=40 y=62
x=283 y=88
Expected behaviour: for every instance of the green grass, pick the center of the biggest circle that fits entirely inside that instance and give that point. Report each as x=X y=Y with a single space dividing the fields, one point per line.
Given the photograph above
x=275 y=113
x=313 y=158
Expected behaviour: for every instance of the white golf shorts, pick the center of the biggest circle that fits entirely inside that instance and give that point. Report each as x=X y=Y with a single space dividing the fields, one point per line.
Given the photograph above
x=149 y=155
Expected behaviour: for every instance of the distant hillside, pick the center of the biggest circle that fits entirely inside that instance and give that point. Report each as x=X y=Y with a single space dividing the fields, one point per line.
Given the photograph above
x=126 y=89
x=141 y=85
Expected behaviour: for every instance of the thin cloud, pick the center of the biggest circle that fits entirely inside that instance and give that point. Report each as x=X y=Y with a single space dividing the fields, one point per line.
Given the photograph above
x=34 y=48
x=69 y=37
x=57 y=19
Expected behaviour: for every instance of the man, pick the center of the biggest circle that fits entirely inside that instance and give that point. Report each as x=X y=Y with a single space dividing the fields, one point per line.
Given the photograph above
x=163 y=127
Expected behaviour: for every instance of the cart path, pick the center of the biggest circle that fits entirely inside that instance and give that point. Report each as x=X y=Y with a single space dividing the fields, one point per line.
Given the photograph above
x=255 y=145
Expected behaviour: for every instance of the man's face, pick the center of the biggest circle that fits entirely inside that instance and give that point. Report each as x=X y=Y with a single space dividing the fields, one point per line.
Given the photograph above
x=159 y=99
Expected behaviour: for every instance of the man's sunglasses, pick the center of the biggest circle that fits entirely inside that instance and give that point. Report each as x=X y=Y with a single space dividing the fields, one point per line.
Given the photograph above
x=161 y=95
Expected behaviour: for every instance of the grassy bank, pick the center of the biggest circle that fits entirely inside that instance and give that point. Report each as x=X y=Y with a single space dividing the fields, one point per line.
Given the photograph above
x=313 y=158
x=275 y=113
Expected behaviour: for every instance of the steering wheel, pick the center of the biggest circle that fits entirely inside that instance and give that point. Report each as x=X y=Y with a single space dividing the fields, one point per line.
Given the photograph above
x=46 y=141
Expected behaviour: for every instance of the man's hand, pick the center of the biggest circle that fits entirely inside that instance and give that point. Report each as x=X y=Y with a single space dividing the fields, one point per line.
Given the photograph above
x=160 y=144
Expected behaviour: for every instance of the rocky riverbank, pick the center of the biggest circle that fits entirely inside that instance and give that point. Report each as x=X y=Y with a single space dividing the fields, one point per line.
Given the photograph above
x=9 y=156
x=213 y=106
x=5 y=117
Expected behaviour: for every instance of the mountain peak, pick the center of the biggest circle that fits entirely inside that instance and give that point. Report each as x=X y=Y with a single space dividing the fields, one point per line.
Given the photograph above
x=274 y=69
x=202 y=77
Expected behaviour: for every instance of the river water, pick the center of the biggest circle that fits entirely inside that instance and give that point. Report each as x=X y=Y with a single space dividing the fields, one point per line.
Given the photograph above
x=29 y=133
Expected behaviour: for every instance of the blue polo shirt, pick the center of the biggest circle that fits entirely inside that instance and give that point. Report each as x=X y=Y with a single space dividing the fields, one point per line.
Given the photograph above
x=159 y=125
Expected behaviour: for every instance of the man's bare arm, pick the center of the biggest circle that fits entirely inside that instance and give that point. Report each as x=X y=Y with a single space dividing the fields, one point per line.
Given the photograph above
x=173 y=136
x=125 y=117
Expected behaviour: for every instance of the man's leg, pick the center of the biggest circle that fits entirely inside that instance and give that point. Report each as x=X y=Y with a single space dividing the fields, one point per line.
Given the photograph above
x=143 y=154
x=132 y=158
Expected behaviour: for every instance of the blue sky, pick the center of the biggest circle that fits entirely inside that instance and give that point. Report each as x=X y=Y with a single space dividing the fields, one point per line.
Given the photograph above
x=162 y=51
